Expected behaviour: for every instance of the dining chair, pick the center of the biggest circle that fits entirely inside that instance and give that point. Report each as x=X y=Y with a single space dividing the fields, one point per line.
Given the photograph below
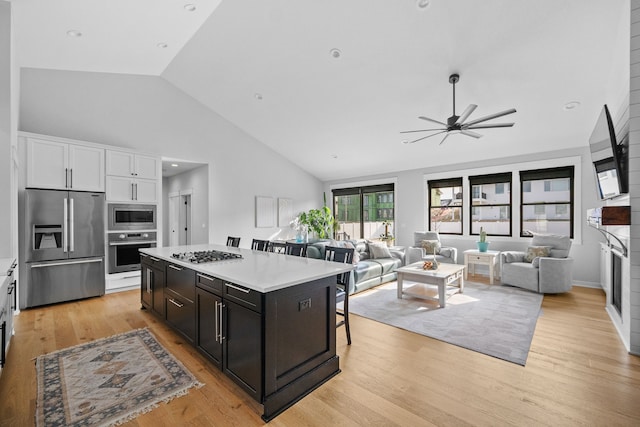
x=260 y=245
x=344 y=255
x=277 y=247
x=295 y=249
x=233 y=241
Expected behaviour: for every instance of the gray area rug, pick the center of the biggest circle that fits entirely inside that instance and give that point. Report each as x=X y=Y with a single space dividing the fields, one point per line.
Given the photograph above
x=492 y=319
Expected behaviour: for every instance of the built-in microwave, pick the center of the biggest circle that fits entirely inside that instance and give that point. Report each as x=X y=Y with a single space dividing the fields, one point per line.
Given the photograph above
x=131 y=217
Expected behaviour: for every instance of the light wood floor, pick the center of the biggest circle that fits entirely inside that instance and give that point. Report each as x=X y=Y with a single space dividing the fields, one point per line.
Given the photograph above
x=577 y=373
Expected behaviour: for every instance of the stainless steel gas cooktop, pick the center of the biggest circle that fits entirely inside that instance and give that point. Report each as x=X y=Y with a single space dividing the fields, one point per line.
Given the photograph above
x=198 y=257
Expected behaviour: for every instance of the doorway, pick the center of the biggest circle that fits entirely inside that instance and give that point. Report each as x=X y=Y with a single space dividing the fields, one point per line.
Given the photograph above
x=180 y=218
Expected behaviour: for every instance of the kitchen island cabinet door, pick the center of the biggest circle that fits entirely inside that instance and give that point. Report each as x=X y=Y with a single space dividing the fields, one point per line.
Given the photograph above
x=181 y=314
x=242 y=337
x=152 y=285
x=209 y=325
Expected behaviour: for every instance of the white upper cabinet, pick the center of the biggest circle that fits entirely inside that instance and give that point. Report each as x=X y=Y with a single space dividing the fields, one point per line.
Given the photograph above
x=120 y=163
x=121 y=189
x=59 y=165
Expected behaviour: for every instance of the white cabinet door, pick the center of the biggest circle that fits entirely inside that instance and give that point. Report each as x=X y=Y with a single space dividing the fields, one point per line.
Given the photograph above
x=146 y=190
x=146 y=167
x=47 y=164
x=86 y=168
x=120 y=163
x=119 y=189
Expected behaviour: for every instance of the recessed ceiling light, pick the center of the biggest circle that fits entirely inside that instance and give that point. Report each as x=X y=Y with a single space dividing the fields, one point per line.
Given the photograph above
x=189 y=7
x=405 y=141
x=571 y=105
x=175 y=165
x=162 y=45
x=335 y=53
x=258 y=96
x=423 y=4
x=74 y=33
x=334 y=156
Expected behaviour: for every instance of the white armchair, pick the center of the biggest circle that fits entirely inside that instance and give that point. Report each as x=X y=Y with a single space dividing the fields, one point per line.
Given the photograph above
x=549 y=274
x=417 y=252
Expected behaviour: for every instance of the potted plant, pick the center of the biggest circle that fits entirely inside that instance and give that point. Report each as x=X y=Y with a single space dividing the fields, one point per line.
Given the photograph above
x=318 y=221
x=483 y=245
x=387 y=236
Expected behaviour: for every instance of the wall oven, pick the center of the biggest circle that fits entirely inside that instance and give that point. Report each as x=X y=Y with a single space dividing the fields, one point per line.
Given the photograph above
x=131 y=217
x=123 y=250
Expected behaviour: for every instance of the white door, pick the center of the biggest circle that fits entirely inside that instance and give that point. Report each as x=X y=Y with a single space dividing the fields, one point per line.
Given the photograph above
x=86 y=168
x=174 y=220
x=119 y=189
x=47 y=164
x=146 y=167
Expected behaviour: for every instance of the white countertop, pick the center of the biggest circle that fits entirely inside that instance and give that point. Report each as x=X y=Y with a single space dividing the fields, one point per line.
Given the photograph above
x=257 y=270
x=5 y=264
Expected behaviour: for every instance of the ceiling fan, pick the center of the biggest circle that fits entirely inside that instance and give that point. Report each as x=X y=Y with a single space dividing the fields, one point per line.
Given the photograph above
x=457 y=124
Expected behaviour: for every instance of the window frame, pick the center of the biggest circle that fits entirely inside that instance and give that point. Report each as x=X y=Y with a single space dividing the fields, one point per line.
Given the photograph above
x=562 y=172
x=445 y=183
x=362 y=191
x=495 y=178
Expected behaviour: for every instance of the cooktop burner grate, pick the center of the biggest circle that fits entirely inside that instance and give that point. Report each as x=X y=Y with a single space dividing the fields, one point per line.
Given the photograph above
x=199 y=257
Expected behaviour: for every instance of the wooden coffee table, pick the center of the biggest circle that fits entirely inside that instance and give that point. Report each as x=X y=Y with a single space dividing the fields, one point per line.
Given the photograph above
x=445 y=275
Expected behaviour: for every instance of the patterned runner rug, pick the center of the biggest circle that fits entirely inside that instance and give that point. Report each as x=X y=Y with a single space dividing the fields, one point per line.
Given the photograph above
x=108 y=381
x=492 y=319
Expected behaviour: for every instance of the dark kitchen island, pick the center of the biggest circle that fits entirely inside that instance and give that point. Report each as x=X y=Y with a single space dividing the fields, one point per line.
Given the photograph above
x=266 y=320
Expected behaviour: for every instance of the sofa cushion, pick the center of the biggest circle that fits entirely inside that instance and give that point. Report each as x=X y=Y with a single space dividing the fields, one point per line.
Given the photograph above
x=379 y=250
x=560 y=245
x=431 y=246
x=536 y=251
x=521 y=274
x=388 y=265
x=367 y=269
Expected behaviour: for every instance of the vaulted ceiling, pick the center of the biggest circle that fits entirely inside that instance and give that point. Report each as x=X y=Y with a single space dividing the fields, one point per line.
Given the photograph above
x=271 y=68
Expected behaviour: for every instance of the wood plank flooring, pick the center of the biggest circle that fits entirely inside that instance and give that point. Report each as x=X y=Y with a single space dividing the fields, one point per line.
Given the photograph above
x=577 y=373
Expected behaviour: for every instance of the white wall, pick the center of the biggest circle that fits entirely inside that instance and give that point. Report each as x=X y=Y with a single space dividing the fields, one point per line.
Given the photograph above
x=196 y=183
x=149 y=114
x=411 y=206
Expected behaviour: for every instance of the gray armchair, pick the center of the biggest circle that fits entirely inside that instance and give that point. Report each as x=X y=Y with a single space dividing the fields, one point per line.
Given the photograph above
x=550 y=274
x=417 y=252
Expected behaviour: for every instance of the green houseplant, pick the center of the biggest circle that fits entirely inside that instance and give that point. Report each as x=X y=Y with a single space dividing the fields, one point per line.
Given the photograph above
x=319 y=221
x=387 y=236
x=483 y=245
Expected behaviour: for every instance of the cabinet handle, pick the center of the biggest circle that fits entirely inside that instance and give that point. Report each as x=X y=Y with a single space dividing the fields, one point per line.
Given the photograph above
x=143 y=255
x=14 y=285
x=222 y=337
x=132 y=198
x=149 y=280
x=174 y=267
x=70 y=178
x=217 y=326
x=136 y=191
x=3 y=343
x=153 y=259
x=204 y=277
x=66 y=177
x=246 y=291
x=177 y=304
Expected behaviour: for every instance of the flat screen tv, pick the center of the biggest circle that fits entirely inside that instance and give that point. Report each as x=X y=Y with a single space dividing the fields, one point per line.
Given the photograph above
x=608 y=158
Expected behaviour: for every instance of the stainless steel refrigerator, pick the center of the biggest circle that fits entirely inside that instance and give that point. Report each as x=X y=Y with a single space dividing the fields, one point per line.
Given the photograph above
x=63 y=245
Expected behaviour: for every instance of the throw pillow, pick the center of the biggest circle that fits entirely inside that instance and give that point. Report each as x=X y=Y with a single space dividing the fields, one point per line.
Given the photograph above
x=344 y=244
x=379 y=250
x=536 y=251
x=430 y=246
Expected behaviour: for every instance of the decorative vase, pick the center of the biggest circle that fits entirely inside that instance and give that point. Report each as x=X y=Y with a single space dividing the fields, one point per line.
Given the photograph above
x=483 y=246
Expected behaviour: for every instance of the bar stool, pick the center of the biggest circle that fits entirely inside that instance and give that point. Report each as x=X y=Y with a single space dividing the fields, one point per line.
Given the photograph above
x=233 y=241
x=344 y=255
x=295 y=249
x=260 y=245
x=277 y=247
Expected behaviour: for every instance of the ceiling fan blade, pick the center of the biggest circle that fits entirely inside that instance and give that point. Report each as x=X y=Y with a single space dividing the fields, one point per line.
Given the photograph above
x=420 y=130
x=445 y=137
x=432 y=121
x=472 y=134
x=496 y=125
x=425 y=137
x=466 y=113
x=491 y=116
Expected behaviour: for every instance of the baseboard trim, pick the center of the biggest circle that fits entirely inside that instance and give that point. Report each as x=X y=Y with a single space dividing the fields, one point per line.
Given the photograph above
x=594 y=285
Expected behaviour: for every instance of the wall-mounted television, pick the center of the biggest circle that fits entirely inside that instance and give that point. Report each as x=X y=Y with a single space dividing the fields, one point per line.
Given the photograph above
x=608 y=157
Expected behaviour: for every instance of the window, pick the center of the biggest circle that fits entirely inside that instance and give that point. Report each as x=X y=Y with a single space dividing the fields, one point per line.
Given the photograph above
x=445 y=206
x=360 y=211
x=547 y=201
x=491 y=204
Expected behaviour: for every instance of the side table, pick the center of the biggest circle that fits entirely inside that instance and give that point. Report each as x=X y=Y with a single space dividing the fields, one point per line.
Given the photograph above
x=474 y=256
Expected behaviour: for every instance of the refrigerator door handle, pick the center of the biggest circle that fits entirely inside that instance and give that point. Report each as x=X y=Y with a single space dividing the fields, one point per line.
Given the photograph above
x=65 y=217
x=71 y=226
x=53 y=264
